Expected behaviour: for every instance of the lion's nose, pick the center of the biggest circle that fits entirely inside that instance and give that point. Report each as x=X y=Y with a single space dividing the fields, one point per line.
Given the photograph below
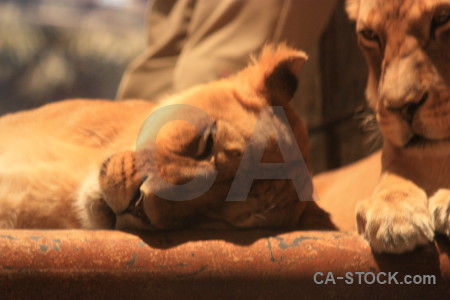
x=408 y=109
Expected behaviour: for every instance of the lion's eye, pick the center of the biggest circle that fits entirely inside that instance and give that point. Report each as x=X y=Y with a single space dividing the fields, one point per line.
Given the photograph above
x=441 y=18
x=206 y=142
x=369 y=35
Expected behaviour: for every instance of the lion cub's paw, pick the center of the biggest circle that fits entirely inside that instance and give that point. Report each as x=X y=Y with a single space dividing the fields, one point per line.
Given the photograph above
x=395 y=221
x=439 y=206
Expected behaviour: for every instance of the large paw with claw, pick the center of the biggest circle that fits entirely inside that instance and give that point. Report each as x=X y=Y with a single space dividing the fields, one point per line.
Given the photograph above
x=395 y=221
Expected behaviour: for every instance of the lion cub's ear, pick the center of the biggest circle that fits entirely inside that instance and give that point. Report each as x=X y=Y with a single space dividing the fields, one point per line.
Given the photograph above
x=272 y=78
x=352 y=8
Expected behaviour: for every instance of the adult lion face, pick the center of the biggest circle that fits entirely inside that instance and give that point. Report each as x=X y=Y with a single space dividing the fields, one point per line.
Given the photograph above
x=407 y=46
x=207 y=141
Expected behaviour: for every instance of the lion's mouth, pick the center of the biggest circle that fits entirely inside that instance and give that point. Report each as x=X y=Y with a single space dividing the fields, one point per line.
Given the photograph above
x=136 y=207
x=421 y=141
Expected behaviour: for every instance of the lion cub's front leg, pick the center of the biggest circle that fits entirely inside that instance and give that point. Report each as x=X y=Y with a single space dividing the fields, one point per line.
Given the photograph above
x=395 y=218
x=439 y=206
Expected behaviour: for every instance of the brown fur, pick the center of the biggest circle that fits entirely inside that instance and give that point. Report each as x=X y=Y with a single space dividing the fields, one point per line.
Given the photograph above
x=408 y=56
x=74 y=164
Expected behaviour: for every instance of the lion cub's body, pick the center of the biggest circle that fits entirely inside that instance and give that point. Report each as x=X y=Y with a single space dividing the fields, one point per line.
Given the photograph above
x=97 y=164
x=46 y=153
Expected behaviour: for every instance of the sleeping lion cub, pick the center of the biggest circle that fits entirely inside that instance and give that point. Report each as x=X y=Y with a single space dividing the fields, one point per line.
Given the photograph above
x=95 y=164
x=407 y=48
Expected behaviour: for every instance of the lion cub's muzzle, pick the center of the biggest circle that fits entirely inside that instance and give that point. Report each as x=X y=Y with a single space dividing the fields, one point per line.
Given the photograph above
x=142 y=195
x=120 y=182
x=420 y=121
x=136 y=207
x=407 y=109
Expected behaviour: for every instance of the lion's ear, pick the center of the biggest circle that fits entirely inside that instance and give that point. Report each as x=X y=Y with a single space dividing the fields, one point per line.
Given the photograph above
x=281 y=78
x=352 y=8
x=273 y=75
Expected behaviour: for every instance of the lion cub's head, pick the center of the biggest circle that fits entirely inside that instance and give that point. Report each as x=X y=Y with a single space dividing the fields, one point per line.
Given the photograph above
x=407 y=47
x=198 y=153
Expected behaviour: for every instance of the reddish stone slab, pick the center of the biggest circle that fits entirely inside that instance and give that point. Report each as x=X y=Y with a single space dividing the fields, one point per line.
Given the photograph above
x=253 y=264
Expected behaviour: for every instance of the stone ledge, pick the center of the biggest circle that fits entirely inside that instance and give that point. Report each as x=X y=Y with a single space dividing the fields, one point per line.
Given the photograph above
x=260 y=264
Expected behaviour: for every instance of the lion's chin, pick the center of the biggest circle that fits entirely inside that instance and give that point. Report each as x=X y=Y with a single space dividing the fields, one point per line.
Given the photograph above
x=420 y=145
x=421 y=141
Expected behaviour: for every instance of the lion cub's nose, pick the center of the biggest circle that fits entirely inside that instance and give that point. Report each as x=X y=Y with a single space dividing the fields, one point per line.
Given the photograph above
x=408 y=109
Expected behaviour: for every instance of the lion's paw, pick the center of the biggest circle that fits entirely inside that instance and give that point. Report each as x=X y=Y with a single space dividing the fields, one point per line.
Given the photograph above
x=395 y=221
x=439 y=206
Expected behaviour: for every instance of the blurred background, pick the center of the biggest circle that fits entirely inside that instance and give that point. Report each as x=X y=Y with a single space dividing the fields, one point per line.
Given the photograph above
x=52 y=50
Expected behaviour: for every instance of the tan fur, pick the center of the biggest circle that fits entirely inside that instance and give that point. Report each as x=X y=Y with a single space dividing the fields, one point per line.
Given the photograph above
x=352 y=8
x=409 y=89
x=340 y=190
x=74 y=164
